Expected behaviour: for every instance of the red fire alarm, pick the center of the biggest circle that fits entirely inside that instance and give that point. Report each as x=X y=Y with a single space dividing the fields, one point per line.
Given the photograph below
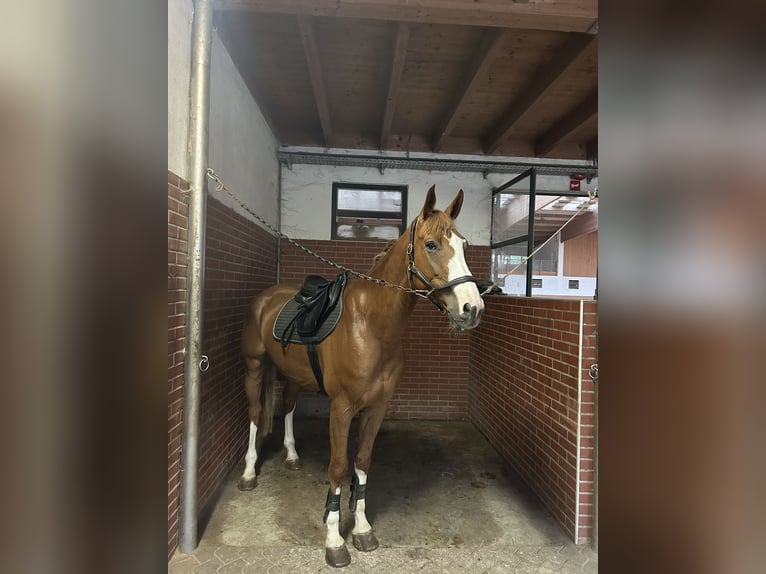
x=574 y=181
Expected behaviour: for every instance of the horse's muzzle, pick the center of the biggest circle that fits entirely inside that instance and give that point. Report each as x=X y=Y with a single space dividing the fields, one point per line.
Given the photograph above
x=469 y=318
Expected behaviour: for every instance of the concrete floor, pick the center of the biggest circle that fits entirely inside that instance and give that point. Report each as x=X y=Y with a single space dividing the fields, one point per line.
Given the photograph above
x=439 y=498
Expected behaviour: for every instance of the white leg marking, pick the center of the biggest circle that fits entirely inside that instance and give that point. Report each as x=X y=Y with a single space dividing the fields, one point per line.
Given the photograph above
x=360 y=518
x=457 y=267
x=251 y=457
x=289 y=443
x=334 y=539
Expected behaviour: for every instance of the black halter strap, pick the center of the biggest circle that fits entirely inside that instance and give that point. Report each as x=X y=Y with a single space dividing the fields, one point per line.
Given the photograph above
x=413 y=270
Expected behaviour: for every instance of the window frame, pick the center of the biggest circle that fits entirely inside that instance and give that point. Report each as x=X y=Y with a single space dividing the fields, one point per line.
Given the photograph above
x=403 y=189
x=530 y=174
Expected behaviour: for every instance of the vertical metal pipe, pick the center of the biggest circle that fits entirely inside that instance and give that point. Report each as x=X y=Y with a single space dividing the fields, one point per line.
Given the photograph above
x=198 y=134
x=531 y=229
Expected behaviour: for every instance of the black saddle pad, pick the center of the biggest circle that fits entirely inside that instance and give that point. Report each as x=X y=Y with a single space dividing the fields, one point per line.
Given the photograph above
x=287 y=315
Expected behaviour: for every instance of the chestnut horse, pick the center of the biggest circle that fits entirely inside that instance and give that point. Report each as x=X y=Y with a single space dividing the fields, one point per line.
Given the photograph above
x=362 y=359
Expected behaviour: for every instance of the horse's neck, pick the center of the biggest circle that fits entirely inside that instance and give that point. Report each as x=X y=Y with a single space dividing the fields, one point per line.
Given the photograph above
x=394 y=303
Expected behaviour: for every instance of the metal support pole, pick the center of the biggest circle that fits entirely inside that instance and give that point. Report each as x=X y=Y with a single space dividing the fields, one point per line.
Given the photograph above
x=198 y=133
x=531 y=229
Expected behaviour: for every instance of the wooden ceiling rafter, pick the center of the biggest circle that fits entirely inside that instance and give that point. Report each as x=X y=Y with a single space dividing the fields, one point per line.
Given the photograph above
x=541 y=84
x=492 y=41
x=308 y=37
x=584 y=111
x=394 y=80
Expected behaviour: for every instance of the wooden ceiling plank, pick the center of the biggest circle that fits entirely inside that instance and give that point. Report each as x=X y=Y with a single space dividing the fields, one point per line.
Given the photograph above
x=308 y=37
x=561 y=15
x=566 y=125
x=485 y=54
x=394 y=80
x=541 y=83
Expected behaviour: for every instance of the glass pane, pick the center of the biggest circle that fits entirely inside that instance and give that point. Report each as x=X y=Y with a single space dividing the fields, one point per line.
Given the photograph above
x=546 y=261
x=566 y=266
x=369 y=200
x=504 y=260
x=363 y=231
x=511 y=216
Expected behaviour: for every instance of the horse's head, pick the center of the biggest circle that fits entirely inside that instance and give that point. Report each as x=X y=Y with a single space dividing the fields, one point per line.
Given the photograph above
x=438 y=262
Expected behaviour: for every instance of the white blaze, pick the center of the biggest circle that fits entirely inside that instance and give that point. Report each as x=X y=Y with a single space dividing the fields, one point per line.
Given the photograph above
x=457 y=267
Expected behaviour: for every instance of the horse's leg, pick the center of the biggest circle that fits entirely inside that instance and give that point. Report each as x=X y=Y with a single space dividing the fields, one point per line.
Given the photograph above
x=289 y=400
x=336 y=553
x=253 y=378
x=369 y=424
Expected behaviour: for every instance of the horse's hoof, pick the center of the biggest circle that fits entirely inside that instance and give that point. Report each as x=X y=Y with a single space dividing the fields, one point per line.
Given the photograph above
x=337 y=557
x=365 y=542
x=247 y=483
x=293 y=464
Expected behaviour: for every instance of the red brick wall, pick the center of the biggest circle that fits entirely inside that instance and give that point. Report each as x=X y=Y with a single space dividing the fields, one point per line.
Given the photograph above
x=436 y=360
x=240 y=261
x=177 y=229
x=523 y=396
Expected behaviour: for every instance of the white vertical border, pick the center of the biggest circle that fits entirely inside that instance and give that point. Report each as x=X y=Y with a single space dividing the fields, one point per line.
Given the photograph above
x=579 y=424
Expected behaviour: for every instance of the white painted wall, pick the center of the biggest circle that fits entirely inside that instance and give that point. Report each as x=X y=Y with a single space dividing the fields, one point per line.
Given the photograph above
x=179 y=70
x=307 y=196
x=243 y=150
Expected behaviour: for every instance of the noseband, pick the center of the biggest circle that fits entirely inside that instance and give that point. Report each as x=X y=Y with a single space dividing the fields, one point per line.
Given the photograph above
x=413 y=270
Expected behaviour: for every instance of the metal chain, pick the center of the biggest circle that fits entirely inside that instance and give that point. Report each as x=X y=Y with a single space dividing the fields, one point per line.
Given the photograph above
x=220 y=186
x=592 y=195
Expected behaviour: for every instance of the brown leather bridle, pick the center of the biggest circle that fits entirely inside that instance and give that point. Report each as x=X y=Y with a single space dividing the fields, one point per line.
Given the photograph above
x=413 y=270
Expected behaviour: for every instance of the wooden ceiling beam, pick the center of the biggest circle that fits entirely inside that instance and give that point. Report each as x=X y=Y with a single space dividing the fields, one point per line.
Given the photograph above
x=308 y=38
x=584 y=111
x=394 y=80
x=538 y=87
x=582 y=224
x=491 y=43
x=561 y=15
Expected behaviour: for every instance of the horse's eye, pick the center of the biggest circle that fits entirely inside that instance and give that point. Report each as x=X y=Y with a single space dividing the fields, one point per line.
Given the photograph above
x=432 y=245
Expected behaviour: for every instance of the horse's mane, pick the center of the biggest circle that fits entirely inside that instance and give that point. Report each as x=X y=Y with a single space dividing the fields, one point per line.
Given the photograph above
x=385 y=251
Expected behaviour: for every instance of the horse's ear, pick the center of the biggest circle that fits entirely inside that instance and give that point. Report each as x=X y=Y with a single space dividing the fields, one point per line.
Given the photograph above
x=428 y=206
x=453 y=209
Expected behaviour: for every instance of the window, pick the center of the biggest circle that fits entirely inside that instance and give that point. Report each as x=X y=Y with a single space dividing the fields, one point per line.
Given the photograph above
x=527 y=219
x=368 y=212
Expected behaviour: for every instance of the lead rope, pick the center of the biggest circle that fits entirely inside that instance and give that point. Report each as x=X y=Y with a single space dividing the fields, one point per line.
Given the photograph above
x=220 y=186
x=592 y=195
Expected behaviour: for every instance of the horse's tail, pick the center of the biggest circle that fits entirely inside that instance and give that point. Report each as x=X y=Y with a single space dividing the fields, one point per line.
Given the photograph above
x=267 y=396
